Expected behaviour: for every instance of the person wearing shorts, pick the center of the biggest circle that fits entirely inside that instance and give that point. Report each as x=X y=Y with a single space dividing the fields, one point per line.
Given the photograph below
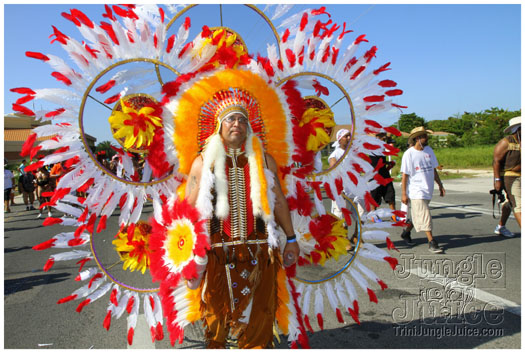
x=418 y=168
x=507 y=174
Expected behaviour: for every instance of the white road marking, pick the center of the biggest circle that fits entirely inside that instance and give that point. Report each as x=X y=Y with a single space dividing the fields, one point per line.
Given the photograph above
x=142 y=337
x=465 y=208
x=479 y=294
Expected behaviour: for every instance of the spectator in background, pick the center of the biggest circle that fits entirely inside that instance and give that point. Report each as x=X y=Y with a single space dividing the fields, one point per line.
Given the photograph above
x=56 y=173
x=9 y=183
x=387 y=191
x=43 y=183
x=26 y=186
x=507 y=174
x=418 y=168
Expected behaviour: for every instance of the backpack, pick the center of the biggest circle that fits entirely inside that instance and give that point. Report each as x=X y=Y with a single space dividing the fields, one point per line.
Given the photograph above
x=27 y=182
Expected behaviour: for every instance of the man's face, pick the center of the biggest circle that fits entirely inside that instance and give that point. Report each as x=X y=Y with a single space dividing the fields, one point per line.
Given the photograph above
x=234 y=130
x=423 y=139
x=343 y=142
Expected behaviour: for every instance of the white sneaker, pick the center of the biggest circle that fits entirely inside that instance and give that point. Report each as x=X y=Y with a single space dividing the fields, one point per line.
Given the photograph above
x=39 y=215
x=501 y=230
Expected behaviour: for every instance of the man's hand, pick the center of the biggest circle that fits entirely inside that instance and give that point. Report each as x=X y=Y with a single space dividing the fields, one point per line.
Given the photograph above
x=441 y=190
x=404 y=199
x=291 y=254
x=498 y=185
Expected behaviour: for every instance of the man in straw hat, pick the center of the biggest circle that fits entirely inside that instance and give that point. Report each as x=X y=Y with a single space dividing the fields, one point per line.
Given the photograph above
x=418 y=168
x=507 y=174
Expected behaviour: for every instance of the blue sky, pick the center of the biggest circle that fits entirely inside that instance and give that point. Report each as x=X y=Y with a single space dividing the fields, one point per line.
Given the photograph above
x=447 y=58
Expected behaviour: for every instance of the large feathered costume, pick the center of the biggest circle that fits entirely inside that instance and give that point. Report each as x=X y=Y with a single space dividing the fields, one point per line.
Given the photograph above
x=170 y=125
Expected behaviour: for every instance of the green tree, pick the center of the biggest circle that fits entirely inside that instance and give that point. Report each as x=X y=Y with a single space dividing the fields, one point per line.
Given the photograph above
x=407 y=122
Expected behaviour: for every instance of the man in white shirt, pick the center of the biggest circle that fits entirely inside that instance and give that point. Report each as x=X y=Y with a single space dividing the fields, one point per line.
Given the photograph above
x=418 y=168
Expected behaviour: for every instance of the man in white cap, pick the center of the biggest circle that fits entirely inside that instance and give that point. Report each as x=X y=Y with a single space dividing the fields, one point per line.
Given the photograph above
x=507 y=174
x=343 y=137
x=418 y=168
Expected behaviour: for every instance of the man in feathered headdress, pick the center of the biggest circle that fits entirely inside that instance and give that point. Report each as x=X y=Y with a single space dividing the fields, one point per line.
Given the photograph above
x=234 y=184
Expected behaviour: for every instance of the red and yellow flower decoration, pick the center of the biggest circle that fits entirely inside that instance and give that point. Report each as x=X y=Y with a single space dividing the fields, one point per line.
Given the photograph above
x=177 y=242
x=135 y=125
x=330 y=236
x=134 y=250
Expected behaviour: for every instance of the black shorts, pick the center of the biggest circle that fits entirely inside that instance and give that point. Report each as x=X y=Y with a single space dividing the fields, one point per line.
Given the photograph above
x=7 y=194
x=386 y=192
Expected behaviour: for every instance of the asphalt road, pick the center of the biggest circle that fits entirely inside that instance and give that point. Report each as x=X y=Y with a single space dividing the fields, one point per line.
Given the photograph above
x=468 y=297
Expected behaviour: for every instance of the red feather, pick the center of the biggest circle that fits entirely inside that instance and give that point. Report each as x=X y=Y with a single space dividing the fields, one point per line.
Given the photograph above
x=369 y=200
x=160 y=332
x=61 y=77
x=113 y=297
x=109 y=30
x=83 y=216
x=381 y=180
x=82 y=305
x=82 y=17
x=399 y=106
x=390 y=245
x=24 y=99
x=347 y=216
x=49 y=221
x=23 y=110
x=34 y=151
x=28 y=144
x=382 y=68
x=106 y=86
x=107 y=321
x=307 y=323
x=171 y=41
x=67 y=299
x=320 y=320
x=55 y=113
x=102 y=223
x=387 y=83
x=36 y=55
x=34 y=166
x=373 y=123
x=339 y=315
x=291 y=57
x=286 y=34
x=328 y=191
x=84 y=187
x=129 y=306
x=339 y=185
x=49 y=263
x=392 y=130
x=382 y=284
x=372 y=295
x=370 y=146
x=112 y=99
x=94 y=278
x=45 y=245
x=76 y=242
x=392 y=261
x=91 y=223
x=364 y=157
x=316 y=186
x=352 y=177
x=394 y=92
x=131 y=332
x=354 y=315
x=373 y=99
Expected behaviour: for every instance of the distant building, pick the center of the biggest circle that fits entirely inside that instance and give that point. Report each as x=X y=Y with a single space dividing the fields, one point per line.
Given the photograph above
x=17 y=128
